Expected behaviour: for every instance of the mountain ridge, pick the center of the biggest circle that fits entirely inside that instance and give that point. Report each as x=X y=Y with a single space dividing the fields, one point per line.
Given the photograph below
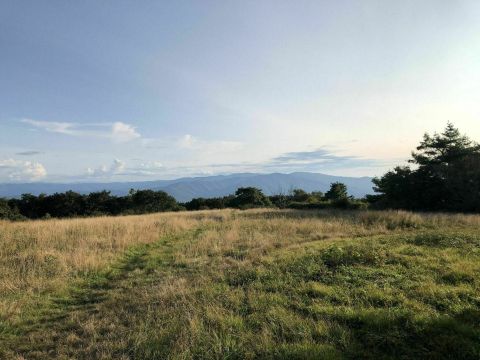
x=186 y=188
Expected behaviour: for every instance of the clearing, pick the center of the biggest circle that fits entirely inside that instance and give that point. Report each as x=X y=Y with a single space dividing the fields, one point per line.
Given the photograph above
x=242 y=284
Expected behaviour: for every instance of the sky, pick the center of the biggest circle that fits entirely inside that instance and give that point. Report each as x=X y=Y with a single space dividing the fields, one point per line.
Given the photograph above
x=146 y=90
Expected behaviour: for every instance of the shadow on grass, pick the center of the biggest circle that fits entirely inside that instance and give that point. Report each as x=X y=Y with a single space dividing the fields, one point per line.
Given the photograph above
x=299 y=214
x=382 y=335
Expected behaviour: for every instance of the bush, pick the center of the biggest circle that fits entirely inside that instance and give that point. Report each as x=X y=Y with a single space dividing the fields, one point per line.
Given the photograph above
x=7 y=212
x=249 y=197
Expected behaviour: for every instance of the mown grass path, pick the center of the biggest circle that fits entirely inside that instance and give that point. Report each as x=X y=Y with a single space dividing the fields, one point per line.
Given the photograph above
x=44 y=337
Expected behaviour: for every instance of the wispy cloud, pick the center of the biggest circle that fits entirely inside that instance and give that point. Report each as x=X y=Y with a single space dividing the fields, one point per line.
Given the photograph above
x=117 y=132
x=309 y=156
x=52 y=126
x=189 y=142
x=318 y=160
x=28 y=153
x=17 y=170
x=321 y=159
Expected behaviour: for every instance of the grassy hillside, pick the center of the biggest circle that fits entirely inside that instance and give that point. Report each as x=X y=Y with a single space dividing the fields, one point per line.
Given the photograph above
x=242 y=284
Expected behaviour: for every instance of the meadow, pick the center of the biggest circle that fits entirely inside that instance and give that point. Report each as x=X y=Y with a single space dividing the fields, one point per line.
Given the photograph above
x=231 y=284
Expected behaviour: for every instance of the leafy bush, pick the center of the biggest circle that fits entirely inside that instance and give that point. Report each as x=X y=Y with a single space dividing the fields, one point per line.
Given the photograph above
x=7 y=212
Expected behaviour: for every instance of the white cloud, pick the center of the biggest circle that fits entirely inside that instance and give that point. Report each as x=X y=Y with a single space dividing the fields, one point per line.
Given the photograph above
x=118 y=132
x=97 y=171
x=116 y=168
x=151 y=165
x=52 y=126
x=119 y=168
x=187 y=141
x=122 y=132
x=17 y=170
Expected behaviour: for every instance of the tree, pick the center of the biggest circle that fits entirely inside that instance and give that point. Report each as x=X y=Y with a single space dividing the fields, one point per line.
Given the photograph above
x=65 y=204
x=100 y=202
x=147 y=201
x=317 y=195
x=28 y=205
x=337 y=191
x=247 y=197
x=443 y=149
x=299 y=195
x=396 y=187
x=280 y=200
x=446 y=177
x=463 y=184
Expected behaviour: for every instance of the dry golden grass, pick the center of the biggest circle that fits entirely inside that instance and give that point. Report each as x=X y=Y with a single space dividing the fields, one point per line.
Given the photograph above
x=38 y=256
x=34 y=253
x=184 y=286
x=45 y=256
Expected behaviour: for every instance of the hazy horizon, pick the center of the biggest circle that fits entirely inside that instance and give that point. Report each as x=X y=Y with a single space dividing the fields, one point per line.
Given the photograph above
x=232 y=174
x=121 y=91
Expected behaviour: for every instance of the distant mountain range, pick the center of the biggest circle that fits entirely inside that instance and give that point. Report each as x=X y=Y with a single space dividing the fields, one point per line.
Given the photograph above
x=184 y=189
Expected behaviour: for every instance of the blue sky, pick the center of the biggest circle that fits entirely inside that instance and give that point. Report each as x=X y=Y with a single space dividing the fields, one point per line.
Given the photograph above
x=122 y=90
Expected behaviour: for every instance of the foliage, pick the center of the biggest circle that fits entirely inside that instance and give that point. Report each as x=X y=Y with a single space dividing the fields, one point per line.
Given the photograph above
x=444 y=149
x=71 y=204
x=446 y=177
x=249 y=197
x=7 y=212
x=336 y=192
x=280 y=201
x=148 y=201
x=300 y=195
x=244 y=198
x=210 y=203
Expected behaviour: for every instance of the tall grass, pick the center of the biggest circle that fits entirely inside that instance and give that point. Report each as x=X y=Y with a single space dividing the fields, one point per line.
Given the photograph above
x=241 y=284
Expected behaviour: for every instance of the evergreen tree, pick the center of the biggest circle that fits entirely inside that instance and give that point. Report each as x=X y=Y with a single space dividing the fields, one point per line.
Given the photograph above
x=444 y=149
x=447 y=175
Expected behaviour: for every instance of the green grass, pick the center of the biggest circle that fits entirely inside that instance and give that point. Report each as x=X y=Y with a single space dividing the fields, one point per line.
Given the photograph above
x=409 y=289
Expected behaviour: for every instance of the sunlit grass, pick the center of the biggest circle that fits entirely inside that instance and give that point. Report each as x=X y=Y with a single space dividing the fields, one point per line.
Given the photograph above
x=242 y=284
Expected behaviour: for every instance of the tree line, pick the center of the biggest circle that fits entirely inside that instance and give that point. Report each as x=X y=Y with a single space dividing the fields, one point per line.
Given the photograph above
x=251 y=197
x=72 y=204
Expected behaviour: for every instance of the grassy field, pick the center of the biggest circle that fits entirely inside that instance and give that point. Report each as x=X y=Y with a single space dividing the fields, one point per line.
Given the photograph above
x=242 y=284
